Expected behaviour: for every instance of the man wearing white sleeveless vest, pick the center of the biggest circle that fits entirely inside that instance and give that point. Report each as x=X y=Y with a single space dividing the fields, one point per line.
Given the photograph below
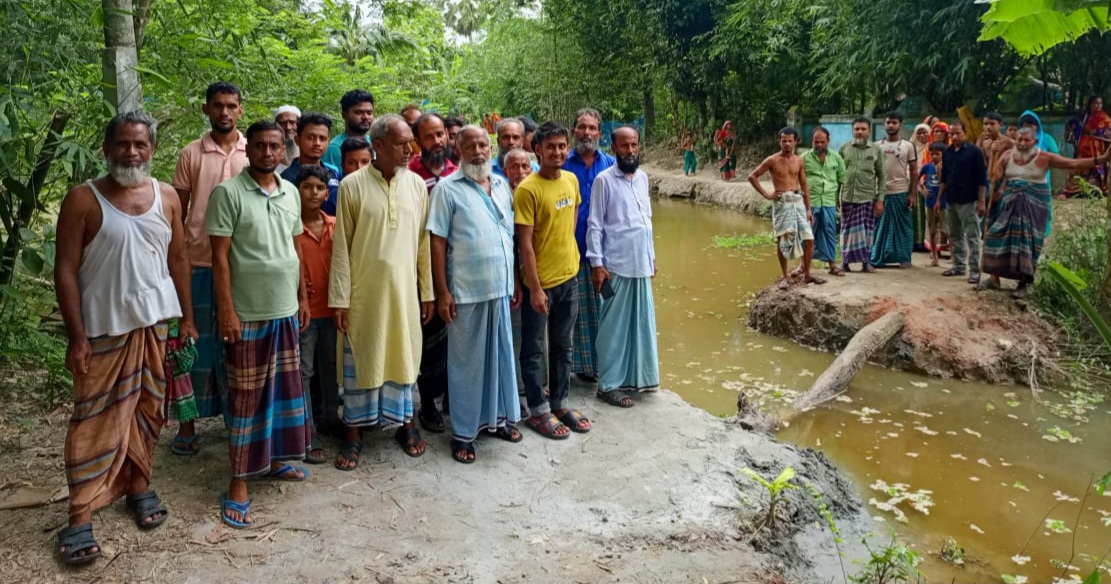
x=121 y=272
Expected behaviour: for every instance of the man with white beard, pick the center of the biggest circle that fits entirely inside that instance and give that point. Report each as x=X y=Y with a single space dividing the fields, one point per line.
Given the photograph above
x=287 y=117
x=121 y=272
x=471 y=215
x=586 y=162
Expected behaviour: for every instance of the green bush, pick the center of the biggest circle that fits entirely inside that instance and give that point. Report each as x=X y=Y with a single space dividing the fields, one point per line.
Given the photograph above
x=1082 y=248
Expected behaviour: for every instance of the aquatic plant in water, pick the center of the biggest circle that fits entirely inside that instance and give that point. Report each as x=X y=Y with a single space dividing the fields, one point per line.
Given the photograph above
x=897 y=493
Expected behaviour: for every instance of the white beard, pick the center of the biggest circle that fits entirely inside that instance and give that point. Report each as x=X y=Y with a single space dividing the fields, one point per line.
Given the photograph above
x=129 y=176
x=477 y=172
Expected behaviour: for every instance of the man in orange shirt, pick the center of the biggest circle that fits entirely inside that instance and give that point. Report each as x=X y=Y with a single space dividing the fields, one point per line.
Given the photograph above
x=218 y=155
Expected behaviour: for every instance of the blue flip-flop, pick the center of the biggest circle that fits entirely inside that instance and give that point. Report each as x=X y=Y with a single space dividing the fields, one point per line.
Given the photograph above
x=280 y=474
x=241 y=508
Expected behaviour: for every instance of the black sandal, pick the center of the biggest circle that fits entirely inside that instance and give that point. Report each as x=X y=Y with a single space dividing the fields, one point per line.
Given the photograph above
x=431 y=420
x=350 y=451
x=617 y=398
x=462 y=451
x=147 y=505
x=573 y=420
x=314 y=446
x=76 y=539
x=409 y=438
x=509 y=434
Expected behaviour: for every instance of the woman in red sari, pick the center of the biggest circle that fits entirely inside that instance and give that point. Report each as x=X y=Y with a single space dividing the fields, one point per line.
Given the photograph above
x=725 y=140
x=1090 y=134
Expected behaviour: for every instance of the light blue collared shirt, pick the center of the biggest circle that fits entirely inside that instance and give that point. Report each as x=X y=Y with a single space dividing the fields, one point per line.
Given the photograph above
x=619 y=229
x=474 y=223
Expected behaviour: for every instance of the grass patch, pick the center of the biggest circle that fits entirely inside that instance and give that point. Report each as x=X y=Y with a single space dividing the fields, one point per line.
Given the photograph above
x=744 y=241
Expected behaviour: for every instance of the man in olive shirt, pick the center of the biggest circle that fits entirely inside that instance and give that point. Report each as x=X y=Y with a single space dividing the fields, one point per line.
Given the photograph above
x=860 y=196
x=825 y=171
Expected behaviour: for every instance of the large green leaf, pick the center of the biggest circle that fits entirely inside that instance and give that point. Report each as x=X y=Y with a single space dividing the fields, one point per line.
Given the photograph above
x=1033 y=27
x=1068 y=281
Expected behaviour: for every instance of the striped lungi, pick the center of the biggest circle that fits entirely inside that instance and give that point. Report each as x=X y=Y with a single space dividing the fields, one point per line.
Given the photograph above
x=1014 y=240
x=117 y=415
x=266 y=403
x=389 y=403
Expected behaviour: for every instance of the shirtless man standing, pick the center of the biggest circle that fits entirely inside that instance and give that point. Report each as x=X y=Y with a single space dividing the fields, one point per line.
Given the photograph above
x=791 y=213
x=993 y=143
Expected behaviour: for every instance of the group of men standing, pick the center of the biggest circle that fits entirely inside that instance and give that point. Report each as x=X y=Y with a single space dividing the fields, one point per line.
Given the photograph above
x=874 y=188
x=292 y=265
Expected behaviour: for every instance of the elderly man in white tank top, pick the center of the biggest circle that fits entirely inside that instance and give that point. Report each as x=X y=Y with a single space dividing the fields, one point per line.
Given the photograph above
x=1015 y=236
x=121 y=273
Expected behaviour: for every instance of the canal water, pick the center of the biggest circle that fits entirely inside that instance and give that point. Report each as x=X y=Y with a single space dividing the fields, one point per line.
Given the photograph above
x=1001 y=472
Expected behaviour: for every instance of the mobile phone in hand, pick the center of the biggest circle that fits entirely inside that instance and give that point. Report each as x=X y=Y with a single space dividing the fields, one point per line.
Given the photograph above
x=607 y=289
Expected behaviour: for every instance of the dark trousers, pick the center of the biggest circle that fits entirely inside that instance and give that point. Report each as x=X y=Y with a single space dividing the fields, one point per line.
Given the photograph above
x=559 y=323
x=432 y=382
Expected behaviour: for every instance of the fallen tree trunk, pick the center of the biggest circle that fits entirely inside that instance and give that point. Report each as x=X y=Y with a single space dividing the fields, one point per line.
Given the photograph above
x=835 y=380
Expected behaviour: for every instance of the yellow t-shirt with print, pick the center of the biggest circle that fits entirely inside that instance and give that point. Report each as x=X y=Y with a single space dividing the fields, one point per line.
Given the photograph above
x=551 y=207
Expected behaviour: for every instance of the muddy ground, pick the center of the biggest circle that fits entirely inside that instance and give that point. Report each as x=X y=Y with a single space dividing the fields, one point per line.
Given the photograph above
x=652 y=494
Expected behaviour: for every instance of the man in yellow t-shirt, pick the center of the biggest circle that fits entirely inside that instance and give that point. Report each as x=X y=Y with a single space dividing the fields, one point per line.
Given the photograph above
x=545 y=206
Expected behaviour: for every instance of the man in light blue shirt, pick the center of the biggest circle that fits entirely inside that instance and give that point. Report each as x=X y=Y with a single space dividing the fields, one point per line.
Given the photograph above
x=470 y=221
x=622 y=259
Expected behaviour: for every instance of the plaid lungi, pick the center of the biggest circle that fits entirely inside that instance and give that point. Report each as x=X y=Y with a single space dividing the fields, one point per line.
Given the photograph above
x=584 y=358
x=266 y=403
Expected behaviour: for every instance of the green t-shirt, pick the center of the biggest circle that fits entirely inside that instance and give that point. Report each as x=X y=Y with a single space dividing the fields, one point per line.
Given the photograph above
x=265 y=271
x=551 y=207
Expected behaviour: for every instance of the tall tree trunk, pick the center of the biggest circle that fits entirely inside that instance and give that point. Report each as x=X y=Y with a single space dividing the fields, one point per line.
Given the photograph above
x=142 y=17
x=649 y=113
x=121 y=81
x=29 y=198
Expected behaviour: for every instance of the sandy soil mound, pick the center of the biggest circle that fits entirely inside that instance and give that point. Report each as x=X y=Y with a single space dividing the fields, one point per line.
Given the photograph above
x=951 y=330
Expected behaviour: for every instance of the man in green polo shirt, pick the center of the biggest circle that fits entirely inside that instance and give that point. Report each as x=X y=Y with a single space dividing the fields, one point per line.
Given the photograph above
x=253 y=221
x=825 y=171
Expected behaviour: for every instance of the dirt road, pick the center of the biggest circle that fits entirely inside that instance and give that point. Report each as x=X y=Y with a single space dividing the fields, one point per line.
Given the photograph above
x=650 y=495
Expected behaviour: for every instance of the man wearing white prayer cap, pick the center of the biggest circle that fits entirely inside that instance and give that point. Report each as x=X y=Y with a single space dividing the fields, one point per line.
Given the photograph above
x=287 y=116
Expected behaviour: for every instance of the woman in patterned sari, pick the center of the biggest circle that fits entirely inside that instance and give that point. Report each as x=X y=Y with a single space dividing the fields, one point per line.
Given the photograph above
x=1089 y=132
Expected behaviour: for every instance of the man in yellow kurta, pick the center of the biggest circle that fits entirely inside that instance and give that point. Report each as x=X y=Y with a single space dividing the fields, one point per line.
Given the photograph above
x=379 y=260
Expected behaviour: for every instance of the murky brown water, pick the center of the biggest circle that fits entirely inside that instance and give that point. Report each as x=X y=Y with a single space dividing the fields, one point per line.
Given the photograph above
x=979 y=449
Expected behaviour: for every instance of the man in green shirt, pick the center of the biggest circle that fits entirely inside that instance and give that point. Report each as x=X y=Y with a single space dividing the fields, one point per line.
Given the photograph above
x=825 y=171
x=357 y=108
x=253 y=221
x=861 y=196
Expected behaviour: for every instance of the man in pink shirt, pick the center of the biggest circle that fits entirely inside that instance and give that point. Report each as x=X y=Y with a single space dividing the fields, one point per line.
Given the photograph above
x=220 y=154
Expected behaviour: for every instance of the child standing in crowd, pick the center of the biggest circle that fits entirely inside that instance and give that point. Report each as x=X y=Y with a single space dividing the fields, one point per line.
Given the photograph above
x=318 y=341
x=690 y=161
x=937 y=228
x=354 y=154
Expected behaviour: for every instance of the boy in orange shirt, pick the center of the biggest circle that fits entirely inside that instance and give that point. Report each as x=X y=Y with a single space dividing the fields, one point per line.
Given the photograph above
x=318 y=341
